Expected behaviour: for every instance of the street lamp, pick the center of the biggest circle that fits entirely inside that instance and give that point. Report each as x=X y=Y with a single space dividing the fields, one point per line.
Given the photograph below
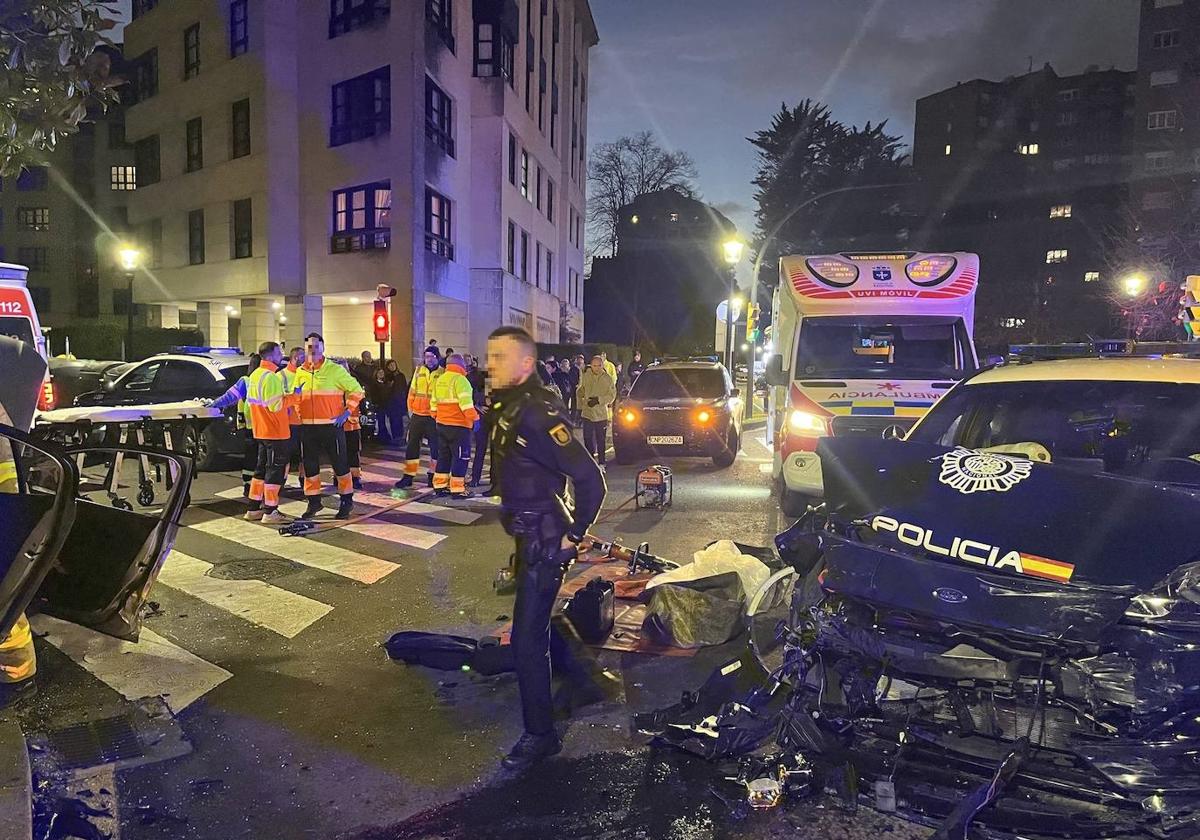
x=130 y=258
x=733 y=255
x=1134 y=285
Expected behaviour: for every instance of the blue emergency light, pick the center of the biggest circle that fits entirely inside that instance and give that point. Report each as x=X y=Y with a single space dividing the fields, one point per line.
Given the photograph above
x=192 y=350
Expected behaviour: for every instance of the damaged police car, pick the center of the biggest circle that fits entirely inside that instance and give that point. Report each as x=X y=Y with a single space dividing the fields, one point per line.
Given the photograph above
x=1000 y=615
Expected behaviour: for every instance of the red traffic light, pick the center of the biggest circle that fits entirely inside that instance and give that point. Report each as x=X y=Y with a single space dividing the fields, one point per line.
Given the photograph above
x=381 y=322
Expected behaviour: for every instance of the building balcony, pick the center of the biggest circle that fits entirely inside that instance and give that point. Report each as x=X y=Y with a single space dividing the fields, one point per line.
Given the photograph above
x=360 y=240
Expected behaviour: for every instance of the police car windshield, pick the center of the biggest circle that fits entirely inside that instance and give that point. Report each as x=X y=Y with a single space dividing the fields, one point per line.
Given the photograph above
x=906 y=347
x=1137 y=429
x=19 y=328
x=678 y=384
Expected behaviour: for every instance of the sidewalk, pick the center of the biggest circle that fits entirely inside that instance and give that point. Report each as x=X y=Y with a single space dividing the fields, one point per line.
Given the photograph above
x=16 y=791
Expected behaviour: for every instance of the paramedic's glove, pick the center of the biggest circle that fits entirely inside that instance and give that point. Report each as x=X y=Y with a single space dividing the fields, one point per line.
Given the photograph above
x=593 y=401
x=341 y=419
x=206 y=402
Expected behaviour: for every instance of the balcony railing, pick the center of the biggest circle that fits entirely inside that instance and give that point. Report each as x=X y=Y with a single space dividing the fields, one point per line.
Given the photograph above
x=360 y=240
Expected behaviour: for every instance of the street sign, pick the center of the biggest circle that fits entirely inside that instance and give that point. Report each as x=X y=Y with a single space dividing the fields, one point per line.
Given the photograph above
x=721 y=313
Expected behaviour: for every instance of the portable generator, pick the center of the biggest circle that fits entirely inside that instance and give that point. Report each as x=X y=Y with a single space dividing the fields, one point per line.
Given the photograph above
x=653 y=486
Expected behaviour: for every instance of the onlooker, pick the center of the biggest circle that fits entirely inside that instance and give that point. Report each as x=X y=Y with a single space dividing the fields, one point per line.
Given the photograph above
x=597 y=391
x=577 y=367
x=363 y=370
x=635 y=367
x=392 y=405
x=562 y=379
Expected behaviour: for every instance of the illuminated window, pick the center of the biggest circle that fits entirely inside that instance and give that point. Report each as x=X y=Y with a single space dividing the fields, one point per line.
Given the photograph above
x=1012 y=323
x=1091 y=276
x=438 y=235
x=633 y=219
x=524 y=173
x=1060 y=211
x=123 y=177
x=1056 y=256
x=33 y=218
x=1027 y=149
x=947 y=148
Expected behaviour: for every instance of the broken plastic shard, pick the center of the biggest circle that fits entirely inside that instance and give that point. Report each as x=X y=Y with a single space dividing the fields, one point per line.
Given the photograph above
x=764 y=793
x=885 y=795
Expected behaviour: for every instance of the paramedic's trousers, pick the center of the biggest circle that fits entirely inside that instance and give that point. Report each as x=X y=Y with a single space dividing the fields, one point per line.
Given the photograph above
x=17 y=662
x=270 y=472
x=420 y=427
x=535 y=639
x=454 y=450
x=329 y=440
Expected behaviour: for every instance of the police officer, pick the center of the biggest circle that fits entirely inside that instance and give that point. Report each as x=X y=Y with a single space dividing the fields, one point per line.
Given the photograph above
x=537 y=453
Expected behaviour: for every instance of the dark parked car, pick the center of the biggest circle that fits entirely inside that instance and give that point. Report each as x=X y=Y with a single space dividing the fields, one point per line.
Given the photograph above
x=685 y=408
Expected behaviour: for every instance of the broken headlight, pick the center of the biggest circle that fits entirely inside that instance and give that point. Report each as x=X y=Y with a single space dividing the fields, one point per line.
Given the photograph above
x=1173 y=602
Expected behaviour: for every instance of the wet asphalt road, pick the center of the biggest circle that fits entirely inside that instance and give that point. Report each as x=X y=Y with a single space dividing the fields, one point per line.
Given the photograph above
x=322 y=736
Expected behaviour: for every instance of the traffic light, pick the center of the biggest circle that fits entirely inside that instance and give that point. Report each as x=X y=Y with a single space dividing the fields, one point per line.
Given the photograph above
x=381 y=322
x=1190 y=313
x=752 y=323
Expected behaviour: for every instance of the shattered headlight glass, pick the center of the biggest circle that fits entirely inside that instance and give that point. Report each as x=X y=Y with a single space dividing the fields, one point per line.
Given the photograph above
x=1173 y=602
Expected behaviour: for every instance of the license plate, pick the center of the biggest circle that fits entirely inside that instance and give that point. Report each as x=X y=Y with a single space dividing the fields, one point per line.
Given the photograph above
x=665 y=440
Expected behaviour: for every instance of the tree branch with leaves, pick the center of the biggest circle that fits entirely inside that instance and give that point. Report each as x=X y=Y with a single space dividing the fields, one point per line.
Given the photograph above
x=51 y=74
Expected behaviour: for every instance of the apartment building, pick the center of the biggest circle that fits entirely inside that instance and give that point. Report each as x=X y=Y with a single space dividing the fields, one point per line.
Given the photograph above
x=294 y=154
x=65 y=220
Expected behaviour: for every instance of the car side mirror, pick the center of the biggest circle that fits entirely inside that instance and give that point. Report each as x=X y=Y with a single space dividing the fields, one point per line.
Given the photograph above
x=774 y=373
x=893 y=432
x=736 y=392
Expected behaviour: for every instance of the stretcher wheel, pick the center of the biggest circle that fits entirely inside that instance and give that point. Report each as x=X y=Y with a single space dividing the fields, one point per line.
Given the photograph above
x=121 y=504
x=145 y=496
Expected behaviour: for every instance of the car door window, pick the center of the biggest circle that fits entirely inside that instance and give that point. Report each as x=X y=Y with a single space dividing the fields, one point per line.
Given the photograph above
x=185 y=379
x=141 y=378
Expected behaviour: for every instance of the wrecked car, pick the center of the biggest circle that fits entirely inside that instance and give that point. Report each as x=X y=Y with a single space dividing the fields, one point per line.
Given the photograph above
x=1000 y=615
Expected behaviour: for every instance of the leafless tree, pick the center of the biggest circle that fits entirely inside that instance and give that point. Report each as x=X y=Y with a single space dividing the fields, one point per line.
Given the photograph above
x=620 y=171
x=1162 y=256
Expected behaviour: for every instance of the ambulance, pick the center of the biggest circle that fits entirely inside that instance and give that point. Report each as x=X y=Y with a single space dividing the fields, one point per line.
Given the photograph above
x=864 y=344
x=19 y=320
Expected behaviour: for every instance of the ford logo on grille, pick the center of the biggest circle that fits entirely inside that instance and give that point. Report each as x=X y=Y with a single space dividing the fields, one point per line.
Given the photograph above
x=949 y=596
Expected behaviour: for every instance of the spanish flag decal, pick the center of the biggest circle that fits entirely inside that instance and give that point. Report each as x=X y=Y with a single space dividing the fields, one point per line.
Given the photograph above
x=1043 y=567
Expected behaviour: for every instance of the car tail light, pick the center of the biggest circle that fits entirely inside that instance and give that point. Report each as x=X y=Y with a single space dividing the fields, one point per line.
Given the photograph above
x=47 y=400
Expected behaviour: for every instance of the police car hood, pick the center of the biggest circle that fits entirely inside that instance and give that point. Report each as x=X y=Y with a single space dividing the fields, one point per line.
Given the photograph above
x=986 y=539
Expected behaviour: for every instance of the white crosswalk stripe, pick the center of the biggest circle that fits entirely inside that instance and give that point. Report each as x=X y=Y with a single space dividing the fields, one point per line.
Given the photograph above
x=256 y=601
x=150 y=667
x=454 y=516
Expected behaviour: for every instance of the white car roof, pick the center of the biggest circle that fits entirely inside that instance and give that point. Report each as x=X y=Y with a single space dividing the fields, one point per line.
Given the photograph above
x=1116 y=369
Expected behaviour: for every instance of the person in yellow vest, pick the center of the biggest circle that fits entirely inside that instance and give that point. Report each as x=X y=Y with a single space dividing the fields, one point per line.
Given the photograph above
x=17 y=660
x=237 y=394
x=454 y=414
x=269 y=407
x=295 y=360
x=421 y=425
x=353 y=429
x=328 y=395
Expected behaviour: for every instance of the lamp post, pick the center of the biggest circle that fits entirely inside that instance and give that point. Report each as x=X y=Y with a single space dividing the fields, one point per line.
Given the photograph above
x=1134 y=286
x=130 y=258
x=733 y=255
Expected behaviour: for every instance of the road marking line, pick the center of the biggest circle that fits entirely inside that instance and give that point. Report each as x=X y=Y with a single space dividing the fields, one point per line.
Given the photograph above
x=766 y=469
x=302 y=550
x=150 y=667
x=256 y=601
x=380 y=500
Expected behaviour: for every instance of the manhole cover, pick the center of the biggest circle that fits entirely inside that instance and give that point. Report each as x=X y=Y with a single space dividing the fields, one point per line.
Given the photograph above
x=96 y=742
x=264 y=569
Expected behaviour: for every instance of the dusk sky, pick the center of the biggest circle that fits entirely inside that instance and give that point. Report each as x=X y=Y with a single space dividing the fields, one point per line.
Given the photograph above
x=706 y=74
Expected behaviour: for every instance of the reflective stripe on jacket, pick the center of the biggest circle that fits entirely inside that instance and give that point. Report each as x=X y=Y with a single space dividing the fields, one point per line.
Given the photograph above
x=289 y=385
x=328 y=390
x=420 y=390
x=269 y=403
x=453 y=399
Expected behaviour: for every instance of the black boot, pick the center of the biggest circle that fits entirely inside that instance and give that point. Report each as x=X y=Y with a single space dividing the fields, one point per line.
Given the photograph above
x=345 y=507
x=404 y=483
x=314 y=507
x=356 y=482
x=429 y=478
x=530 y=750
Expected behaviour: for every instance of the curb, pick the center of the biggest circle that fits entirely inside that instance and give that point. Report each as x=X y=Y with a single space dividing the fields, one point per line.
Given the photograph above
x=16 y=785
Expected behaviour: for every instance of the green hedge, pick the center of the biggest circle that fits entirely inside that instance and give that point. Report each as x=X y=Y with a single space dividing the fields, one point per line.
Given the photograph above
x=104 y=341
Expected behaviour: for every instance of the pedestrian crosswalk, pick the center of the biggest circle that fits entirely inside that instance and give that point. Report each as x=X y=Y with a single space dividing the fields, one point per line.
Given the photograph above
x=376 y=548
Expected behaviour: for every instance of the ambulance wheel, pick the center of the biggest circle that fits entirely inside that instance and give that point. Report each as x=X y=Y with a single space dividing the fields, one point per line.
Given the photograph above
x=729 y=452
x=145 y=496
x=793 y=504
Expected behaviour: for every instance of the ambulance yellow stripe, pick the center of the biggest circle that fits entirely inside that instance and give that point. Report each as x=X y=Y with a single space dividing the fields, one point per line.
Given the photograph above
x=874 y=403
x=909 y=411
x=1045 y=568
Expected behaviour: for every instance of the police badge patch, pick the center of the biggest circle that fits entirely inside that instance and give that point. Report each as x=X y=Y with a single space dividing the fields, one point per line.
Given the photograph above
x=561 y=434
x=968 y=471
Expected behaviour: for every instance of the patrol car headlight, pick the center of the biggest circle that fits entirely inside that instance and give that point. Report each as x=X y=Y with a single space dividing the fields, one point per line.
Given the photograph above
x=629 y=417
x=1172 y=602
x=703 y=416
x=806 y=424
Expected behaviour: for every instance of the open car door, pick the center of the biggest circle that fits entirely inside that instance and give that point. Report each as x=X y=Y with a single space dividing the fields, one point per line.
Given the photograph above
x=126 y=515
x=38 y=485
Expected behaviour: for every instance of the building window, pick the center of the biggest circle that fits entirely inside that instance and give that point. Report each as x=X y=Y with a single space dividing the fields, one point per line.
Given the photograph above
x=947 y=151
x=549 y=199
x=1068 y=118
x=1060 y=211
x=1158 y=161
x=524 y=257
x=1159 y=78
x=537 y=264
x=549 y=270
x=512 y=159
x=495 y=48
x=123 y=177
x=525 y=173
x=33 y=218
x=537 y=193
x=239 y=28
x=438 y=230
x=191 y=51
x=1027 y=149
x=243 y=229
x=1096 y=159
x=1091 y=277
x=1156 y=201
x=152 y=236
x=1012 y=323
x=438 y=13
x=145 y=75
x=511 y=262
x=1166 y=39
x=1159 y=120
x=1068 y=95
x=195 y=146
x=347 y=15
x=439 y=117
x=145 y=155
x=195 y=237
x=362 y=217
x=116 y=130
x=140 y=7
x=239 y=129
x=33 y=179
x=362 y=107
x=33 y=258
x=1056 y=256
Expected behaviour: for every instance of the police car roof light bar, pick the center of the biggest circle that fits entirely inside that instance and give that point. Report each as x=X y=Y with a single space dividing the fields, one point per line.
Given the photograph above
x=213 y=351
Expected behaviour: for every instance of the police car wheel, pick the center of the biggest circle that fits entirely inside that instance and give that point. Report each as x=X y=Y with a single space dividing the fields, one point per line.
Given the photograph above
x=729 y=451
x=622 y=455
x=201 y=444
